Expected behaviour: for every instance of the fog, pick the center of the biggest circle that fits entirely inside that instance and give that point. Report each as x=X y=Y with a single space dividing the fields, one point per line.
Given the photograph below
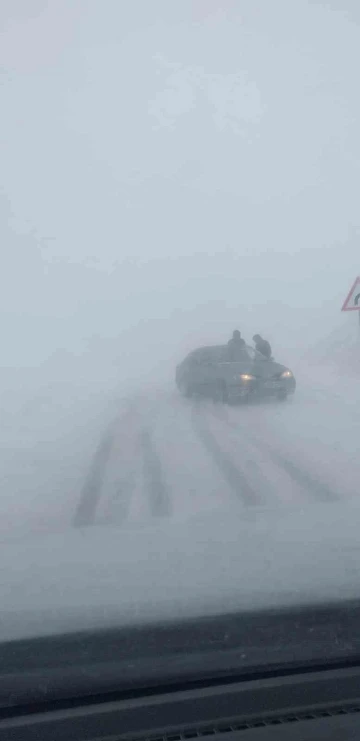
x=171 y=171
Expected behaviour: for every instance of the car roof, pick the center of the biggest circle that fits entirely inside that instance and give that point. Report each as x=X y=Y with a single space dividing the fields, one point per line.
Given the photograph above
x=215 y=351
x=218 y=352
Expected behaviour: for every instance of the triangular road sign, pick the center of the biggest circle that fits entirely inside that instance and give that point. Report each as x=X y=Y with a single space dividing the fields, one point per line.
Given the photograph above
x=352 y=301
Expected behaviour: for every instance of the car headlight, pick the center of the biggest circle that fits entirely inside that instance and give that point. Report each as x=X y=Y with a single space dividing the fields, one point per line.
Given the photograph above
x=246 y=377
x=286 y=374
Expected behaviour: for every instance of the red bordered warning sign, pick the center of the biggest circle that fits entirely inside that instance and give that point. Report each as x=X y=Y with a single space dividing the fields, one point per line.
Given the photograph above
x=352 y=301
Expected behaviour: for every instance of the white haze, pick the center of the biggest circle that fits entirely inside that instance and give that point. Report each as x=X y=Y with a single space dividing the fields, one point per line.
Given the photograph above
x=169 y=171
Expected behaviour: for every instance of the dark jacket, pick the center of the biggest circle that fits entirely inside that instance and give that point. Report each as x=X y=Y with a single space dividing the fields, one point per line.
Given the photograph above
x=236 y=349
x=263 y=346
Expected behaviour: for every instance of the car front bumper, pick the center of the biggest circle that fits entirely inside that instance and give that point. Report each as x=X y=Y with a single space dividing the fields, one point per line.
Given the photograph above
x=266 y=387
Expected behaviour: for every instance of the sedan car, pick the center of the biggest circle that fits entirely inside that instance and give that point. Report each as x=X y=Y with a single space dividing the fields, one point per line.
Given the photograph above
x=208 y=372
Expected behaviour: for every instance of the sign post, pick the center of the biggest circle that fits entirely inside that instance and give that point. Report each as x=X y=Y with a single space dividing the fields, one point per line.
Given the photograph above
x=352 y=301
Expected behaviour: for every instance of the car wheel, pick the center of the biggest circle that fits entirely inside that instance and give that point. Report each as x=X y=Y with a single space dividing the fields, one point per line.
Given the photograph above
x=282 y=396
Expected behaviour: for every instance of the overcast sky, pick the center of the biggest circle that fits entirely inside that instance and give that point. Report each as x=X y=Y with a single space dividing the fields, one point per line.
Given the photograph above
x=172 y=169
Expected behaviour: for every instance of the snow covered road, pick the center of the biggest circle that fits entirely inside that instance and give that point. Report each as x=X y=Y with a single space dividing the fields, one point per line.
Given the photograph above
x=246 y=505
x=79 y=456
x=168 y=457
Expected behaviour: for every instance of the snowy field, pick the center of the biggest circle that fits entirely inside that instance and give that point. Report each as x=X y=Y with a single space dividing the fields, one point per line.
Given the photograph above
x=215 y=507
x=81 y=454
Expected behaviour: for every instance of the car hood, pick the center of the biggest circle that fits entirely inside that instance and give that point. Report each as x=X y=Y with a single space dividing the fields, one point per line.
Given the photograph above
x=106 y=576
x=269 y=369
x=263 y=369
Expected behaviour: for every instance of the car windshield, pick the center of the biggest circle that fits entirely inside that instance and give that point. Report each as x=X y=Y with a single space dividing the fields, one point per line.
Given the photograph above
x=180 y=301
x=254 y=355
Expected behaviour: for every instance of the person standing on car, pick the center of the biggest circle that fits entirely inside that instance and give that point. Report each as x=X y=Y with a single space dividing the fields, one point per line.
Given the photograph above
x=236 y=346
x=262 y=346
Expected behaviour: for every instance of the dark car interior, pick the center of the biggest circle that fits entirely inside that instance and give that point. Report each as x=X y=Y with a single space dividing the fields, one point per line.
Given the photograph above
x=236 y=679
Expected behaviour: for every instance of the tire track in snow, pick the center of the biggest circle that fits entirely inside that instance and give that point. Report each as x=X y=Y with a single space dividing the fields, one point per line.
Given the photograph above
x=300 y=476
x=159 y=499
x=91 y=491
x=232 y=473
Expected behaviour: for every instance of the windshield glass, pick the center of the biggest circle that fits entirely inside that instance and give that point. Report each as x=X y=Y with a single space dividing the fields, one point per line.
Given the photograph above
x=180 y=396
x=253 y=355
